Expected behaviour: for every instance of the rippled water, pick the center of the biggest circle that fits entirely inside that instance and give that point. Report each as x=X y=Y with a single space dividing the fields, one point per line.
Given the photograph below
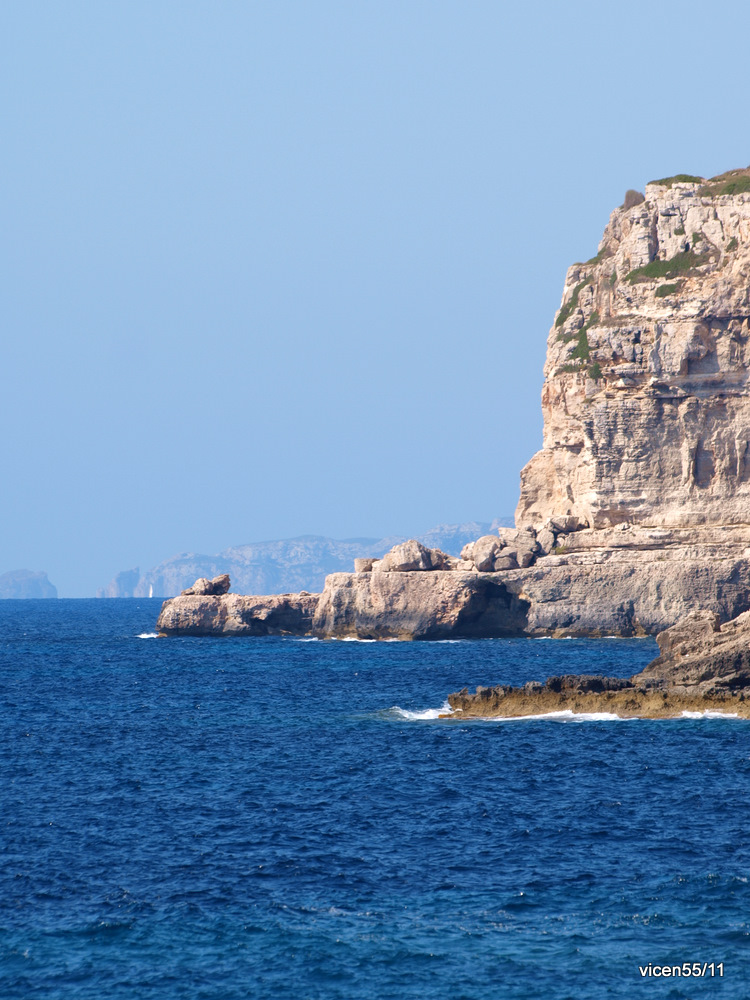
x=268 y=818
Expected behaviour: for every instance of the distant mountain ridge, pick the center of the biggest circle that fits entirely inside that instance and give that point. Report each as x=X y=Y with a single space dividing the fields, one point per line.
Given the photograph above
x=285 y=565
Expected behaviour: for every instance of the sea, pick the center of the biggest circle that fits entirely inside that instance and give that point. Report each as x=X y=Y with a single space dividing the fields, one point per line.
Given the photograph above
x=216 y=819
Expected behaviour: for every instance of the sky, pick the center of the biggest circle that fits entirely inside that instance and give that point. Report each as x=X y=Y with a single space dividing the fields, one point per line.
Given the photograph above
x=284 y=268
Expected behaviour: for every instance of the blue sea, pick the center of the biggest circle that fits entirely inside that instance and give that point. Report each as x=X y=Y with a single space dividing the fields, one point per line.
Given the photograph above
x=215 y=819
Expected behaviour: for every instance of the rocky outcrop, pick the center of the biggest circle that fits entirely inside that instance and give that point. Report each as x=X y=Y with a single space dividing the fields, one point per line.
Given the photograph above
x=235 y=614
x=419 y=605
x=208 y=588
x=593 y=695
x=390 y=604
x=700 y=653
x=703 y=665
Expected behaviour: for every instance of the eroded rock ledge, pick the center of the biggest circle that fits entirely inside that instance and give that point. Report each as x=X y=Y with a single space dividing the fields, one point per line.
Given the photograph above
x=703 y=666
x=625 y=581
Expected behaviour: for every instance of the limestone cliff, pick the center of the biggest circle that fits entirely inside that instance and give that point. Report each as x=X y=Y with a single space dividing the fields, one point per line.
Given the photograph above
x=646 y=399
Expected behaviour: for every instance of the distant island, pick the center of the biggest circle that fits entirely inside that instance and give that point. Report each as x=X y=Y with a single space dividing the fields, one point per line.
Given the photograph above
x=25 y=584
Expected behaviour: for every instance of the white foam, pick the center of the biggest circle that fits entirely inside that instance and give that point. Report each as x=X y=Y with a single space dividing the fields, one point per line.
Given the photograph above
x=352 y=638
x=148 y=635
x=709 y=714
x=428 y=713
x=565 y=715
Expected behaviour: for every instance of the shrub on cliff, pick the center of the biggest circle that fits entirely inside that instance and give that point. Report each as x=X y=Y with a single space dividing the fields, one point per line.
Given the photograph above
x=633 y=198
x=677 y=265
x=678 y=179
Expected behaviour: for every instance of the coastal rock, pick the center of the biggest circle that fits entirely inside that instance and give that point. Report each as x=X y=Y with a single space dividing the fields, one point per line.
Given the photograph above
x=410 y=557
x=235 y=614
x=703 y=666
x=700 y=652
x=484 y=552
x=418 y=605
x=205 y=588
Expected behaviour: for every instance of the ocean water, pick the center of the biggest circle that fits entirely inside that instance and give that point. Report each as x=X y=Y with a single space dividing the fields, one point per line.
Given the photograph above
x=273 y=818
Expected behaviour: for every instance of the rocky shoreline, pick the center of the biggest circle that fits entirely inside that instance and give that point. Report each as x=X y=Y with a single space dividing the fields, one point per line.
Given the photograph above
x=703 y=666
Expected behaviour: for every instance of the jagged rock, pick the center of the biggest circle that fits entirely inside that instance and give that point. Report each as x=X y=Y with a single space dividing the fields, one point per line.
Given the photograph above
x=363 y=565
x=701 y=652
x=703 y=665
x=409 y=557
x=205 y=588
x=419 y=606
x=484 y=552
x=235 y=614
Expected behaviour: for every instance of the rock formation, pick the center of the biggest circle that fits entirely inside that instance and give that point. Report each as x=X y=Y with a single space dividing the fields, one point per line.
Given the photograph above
x=208 y=588
x=121 y=585
x=703 y=665
x=635 y=511
x=646 y=399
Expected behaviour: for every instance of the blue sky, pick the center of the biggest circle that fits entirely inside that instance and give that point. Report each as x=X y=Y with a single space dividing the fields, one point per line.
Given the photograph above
x=289 y=267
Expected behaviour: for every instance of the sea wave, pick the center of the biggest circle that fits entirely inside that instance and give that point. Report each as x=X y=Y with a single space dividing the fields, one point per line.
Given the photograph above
x=564 y=715
x=709 y=714
x=148 y=635
x=428 y=713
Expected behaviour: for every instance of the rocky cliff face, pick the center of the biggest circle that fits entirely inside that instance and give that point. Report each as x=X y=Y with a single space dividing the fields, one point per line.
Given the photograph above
x=646 y=398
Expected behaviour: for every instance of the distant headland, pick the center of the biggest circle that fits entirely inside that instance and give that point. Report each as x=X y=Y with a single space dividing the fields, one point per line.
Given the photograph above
x=24 y=584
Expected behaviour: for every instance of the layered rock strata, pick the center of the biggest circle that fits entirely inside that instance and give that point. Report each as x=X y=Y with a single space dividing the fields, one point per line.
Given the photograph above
x=646 y=403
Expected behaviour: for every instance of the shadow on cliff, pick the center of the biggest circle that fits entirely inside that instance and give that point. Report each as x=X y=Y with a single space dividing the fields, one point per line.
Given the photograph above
x=493 y=611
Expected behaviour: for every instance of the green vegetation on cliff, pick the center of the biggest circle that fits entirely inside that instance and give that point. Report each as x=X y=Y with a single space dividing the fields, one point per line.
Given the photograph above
x=571 y=304
x=678 y=179
x=681 y=264
x=732 y=182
